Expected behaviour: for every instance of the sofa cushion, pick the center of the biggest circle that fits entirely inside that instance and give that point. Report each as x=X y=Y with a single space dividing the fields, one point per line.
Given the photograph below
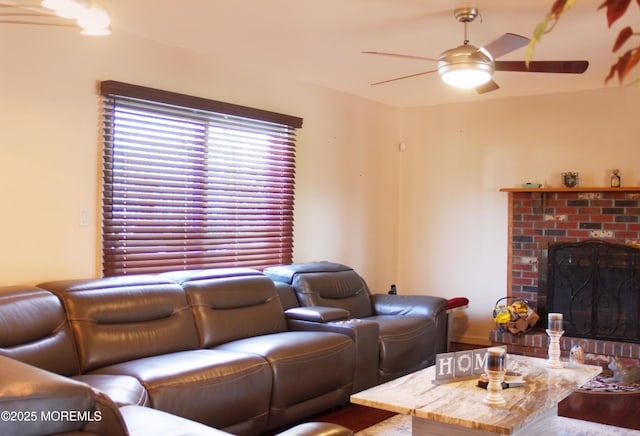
x=118 y=319
x=219 y=388
x=122 y=389
x=40 y=335
x=326 y=284
x=287 y=294
x=286 y=273
x=302 y=383
x=231 y=303
x=344 y=289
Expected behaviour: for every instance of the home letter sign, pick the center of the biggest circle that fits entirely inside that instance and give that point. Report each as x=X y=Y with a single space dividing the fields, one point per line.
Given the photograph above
x=459 y=365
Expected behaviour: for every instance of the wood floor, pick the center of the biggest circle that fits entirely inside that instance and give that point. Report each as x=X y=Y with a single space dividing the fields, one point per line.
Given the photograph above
x=621 y=410
x=355 y=417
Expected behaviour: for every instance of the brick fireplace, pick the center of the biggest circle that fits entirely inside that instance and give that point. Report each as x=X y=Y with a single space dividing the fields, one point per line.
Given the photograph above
x=541 y=217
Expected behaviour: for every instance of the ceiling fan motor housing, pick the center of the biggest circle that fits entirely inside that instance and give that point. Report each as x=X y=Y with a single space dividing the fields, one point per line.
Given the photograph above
x=466 y=60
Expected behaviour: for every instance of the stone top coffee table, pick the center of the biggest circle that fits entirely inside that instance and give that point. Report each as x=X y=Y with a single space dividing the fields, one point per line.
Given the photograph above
x=456 y=408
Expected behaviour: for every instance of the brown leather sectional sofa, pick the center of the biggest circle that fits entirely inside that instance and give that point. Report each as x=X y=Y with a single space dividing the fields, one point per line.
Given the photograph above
x=179 y=353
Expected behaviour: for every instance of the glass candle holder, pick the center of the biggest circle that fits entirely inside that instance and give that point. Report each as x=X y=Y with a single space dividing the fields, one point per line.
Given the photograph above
x=496 y=359
x=554 y=322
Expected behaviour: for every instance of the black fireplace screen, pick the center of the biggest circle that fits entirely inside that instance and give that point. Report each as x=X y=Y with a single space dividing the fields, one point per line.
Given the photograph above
x=595 y=285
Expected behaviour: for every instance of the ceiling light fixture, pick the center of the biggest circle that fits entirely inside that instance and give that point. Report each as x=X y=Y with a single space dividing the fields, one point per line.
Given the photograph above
x=465 y=66
x=92 y=19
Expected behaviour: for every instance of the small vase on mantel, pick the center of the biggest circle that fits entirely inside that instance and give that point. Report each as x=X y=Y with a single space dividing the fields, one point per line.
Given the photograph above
x=616 y=179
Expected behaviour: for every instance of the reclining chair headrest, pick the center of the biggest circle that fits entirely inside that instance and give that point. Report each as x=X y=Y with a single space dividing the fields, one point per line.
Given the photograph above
x=286 y=273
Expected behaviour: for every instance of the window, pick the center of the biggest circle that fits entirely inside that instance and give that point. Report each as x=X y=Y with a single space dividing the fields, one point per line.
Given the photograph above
x=191 y=183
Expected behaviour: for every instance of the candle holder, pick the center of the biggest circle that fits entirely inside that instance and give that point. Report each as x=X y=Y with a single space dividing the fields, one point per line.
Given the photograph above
x=494 y=389
x=554 y=348
x=496 y=370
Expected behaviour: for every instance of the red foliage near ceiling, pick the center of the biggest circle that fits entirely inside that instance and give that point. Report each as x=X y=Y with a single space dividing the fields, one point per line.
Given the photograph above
x=615 y=9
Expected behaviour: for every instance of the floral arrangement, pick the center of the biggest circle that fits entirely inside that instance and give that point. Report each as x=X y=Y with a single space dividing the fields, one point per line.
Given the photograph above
x=514 y=315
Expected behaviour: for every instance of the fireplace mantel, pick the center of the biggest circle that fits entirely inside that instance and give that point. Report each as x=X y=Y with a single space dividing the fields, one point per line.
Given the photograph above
x=576 y=189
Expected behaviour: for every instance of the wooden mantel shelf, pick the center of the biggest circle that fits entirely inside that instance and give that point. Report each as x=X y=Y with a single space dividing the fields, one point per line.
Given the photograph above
x=577 y=189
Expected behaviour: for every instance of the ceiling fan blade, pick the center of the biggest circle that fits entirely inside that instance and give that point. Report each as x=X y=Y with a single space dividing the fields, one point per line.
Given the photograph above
x=404 y=77
x=505 y=44
x=396 y=55
x=571 y=67
x=487 y=87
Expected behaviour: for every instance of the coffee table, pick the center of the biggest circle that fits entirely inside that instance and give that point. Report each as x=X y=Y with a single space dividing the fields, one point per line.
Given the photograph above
x=456 y=408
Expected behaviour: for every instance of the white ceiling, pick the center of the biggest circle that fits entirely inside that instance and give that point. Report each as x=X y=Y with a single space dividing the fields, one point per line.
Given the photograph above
x=320 y=41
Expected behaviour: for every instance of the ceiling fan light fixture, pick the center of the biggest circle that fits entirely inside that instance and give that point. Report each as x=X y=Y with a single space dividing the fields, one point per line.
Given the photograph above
x=465 y=67
x=462 y=76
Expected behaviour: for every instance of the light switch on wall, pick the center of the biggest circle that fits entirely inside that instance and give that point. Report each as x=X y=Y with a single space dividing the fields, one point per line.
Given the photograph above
x=84 y=217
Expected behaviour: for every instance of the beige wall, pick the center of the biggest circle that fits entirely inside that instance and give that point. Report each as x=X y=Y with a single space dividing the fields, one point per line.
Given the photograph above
x=49 y=154
x=397 y=217
x=453 y=220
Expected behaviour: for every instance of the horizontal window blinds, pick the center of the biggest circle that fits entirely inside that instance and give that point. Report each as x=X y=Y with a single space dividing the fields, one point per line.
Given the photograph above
x=189 y=188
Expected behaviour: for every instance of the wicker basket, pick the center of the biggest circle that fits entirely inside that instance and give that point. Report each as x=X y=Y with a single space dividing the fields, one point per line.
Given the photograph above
x=514 y=315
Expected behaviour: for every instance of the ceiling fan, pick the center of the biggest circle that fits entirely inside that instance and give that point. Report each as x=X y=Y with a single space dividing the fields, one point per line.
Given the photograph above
x=467 y=66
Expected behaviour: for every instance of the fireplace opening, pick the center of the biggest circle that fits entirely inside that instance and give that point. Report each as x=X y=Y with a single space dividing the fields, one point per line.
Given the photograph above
x=595 y=285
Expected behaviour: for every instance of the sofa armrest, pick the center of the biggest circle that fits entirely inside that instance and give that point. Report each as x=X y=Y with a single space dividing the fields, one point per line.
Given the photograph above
x=144 y=421
x=317 y=314
x=317 y=429
x=364 y=334
x=434 y=308
x=35 y=401
x=415 y=305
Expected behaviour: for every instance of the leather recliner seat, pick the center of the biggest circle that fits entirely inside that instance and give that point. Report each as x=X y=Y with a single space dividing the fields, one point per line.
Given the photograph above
x=238 y=310
x=143 y=327
x=411 y=328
